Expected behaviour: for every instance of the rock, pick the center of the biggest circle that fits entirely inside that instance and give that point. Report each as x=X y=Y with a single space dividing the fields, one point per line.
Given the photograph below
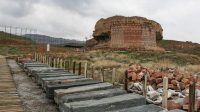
x=170 y=76
x=152 y=80
x=186 y=100
x=159 y=80
x=185 y=81
x=171 y=86
x=179 y=77
x=174 y=82
x=158 y=75
x=172 y=104
x=182 y=86
x=160 y=85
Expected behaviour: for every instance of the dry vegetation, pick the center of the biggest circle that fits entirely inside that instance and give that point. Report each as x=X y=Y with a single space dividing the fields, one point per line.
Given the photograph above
x=185 y=60
x=186 y=63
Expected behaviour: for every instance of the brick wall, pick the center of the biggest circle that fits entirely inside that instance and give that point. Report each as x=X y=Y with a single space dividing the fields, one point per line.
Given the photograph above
x=132 y=36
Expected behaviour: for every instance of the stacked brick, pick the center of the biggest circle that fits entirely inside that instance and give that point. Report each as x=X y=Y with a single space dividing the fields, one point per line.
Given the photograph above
x=127 y=32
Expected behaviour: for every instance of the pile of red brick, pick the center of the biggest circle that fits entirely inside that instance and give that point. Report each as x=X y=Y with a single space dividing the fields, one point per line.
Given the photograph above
x=176 y=81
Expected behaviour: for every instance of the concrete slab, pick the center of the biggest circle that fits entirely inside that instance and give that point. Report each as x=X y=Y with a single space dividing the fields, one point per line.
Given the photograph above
x=65 y=81
x=36 y=65
x=33 y=70
x=91 y=95
x=142 y=108
x=50 y=88
x=25 y=64
x=39 y=77
x=176 y=110
x=61 y=92
x=43 y=80
x=50 y=73
x=104 y=104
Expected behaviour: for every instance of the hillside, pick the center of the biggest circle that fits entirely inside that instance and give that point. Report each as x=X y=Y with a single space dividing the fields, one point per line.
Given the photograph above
x=10 y=39
x=180 y=46
x=17 y=45
x=53 y=40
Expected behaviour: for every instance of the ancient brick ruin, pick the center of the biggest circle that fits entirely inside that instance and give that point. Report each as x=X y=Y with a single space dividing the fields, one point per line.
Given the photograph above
x=120 y=32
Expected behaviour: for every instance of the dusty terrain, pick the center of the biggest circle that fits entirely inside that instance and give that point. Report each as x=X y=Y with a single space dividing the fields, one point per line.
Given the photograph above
x=33 y=98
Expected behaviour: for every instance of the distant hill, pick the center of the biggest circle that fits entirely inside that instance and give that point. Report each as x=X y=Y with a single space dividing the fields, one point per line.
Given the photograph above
x=52 y=40
x=180 y=46
x=10 y=39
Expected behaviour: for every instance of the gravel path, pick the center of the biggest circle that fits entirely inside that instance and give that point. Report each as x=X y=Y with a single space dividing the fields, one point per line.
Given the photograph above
x=32 y=96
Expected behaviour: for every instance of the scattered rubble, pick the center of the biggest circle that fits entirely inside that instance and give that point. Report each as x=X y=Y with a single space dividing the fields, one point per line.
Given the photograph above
x=178 y=85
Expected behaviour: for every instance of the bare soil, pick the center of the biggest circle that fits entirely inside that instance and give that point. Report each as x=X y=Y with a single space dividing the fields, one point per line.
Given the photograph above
x=32 y=96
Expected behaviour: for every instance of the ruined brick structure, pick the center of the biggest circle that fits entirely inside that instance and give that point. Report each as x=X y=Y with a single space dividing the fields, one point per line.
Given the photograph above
x=126 y=32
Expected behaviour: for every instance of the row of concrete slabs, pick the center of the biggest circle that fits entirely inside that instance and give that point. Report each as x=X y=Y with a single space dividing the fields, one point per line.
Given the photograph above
x=75 y=93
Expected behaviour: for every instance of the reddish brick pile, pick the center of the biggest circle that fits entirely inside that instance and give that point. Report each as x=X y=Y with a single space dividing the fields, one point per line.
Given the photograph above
x=176 y=81
x=155 y=77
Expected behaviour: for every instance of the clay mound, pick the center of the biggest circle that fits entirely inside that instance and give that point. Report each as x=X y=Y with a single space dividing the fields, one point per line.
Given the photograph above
x=103 y=26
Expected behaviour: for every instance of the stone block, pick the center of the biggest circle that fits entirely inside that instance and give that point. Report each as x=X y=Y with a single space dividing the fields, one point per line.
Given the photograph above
x=91 y=95
x=39 y=77
x=104 y=104
x=176 y=110
x=61 y=92
x=142 y=108
x=50 y=88
x=43 y=80
x=55 y=82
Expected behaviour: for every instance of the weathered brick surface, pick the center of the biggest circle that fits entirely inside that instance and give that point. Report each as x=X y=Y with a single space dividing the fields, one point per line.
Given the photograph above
x=126 y=32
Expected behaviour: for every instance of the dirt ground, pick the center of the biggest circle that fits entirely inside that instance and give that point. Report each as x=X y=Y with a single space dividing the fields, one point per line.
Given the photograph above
x=32 y=96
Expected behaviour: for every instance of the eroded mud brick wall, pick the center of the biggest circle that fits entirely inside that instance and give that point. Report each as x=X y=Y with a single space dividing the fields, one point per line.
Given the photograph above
x=127 y=32
x=127 y=35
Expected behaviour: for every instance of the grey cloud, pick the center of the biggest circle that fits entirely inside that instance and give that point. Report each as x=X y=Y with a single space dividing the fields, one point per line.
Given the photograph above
x=78 y=6
x=76 y=18
x=17 y=8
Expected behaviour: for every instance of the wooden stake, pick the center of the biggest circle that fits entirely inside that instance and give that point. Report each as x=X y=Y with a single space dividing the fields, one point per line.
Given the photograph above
x=35 y=56
x=50 y=61
x=68 y=65
x=102 y=74
x=145 y=86
x=192 y=97
x=85 y=69
x=113 y=75
x=165 y=92
x=61 y=62
x=92 y=72
x=79 y=70
x=57 y=64
x=126 y=81
x=54 y=62
x=43 y=59
x=74 y=67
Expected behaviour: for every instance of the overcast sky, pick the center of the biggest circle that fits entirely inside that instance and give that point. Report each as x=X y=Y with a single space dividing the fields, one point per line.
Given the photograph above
x=75 y=19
